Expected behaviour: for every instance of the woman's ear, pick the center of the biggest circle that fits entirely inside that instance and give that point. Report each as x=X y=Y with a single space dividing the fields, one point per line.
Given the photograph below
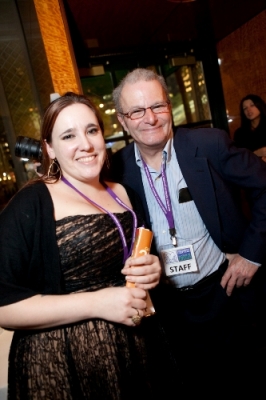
x=50 y=150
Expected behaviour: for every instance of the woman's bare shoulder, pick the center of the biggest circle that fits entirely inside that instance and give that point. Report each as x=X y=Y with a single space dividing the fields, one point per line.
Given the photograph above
x=120 y=191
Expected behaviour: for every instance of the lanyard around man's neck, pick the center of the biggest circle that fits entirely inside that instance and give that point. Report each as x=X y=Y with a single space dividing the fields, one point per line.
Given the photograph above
x=167 y=209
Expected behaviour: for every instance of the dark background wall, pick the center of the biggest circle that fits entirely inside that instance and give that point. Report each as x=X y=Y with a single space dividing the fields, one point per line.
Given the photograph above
x=243 y=65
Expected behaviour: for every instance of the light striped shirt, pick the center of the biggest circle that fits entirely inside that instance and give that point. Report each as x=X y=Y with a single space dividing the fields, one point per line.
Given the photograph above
x=190 y=229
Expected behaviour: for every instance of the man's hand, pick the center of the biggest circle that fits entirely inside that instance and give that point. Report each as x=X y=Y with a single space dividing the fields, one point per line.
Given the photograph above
x=239 y=273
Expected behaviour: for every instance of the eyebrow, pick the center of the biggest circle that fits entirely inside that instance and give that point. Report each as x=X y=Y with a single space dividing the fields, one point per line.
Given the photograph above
x=69 y=130
x=154 y=104
x=251 y=104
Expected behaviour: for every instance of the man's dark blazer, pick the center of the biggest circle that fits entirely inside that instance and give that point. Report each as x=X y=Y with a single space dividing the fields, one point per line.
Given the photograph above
x=214 y=170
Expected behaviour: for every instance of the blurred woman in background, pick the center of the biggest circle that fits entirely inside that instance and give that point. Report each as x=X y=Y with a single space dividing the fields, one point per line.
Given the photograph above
x=252 y=132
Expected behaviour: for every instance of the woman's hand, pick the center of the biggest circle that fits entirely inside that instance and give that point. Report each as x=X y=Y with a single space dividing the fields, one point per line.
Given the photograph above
x=120 y=304
x=144 y=271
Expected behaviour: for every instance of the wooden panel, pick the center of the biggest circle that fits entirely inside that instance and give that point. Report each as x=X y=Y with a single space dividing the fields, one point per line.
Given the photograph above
x=58 y=46
x=243 y=65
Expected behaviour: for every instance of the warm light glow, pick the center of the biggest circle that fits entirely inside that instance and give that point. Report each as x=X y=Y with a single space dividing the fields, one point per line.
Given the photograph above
x=58 y=46
x=108 y=111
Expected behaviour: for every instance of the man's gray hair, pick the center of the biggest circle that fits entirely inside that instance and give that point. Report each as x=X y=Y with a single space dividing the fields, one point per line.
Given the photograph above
x=138 y=74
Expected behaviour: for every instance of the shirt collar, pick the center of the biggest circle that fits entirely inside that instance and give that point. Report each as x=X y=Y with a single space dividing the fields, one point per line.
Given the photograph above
x=167 y=151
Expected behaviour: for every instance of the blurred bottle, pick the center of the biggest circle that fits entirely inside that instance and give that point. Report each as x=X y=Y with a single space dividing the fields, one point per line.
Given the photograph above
x=141 y=247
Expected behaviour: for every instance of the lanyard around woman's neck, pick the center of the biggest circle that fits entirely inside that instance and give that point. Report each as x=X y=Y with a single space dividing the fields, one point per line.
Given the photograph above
x=127 y=252
x=167 y=209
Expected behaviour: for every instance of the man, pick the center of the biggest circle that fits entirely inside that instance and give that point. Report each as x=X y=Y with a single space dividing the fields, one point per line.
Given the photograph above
x=189 y=185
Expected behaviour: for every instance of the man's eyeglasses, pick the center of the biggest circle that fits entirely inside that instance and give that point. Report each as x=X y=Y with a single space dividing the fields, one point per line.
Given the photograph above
x=140 y=112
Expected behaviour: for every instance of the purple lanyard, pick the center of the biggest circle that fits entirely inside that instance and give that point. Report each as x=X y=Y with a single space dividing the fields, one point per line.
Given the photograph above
x=127 y=252
x=167 y=210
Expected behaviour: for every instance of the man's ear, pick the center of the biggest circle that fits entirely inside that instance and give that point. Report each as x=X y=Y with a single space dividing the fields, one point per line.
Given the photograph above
x=50 y=151
x=122 y=122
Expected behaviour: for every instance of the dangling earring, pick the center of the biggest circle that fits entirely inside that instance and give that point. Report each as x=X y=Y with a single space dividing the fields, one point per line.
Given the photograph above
x=54 y=169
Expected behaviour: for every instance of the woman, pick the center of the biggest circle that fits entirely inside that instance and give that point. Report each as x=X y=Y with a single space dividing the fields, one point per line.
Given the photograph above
x=64 y=257
x=252 y=132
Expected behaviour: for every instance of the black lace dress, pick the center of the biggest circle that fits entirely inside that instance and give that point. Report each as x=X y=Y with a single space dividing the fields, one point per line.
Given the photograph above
x=93 y=359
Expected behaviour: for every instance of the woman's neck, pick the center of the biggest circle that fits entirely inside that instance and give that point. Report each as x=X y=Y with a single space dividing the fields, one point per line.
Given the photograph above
x=255 y=123
x=86 y=187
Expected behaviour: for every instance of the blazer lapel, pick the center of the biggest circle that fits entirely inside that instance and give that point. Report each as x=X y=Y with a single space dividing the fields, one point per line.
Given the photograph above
x=199 y=181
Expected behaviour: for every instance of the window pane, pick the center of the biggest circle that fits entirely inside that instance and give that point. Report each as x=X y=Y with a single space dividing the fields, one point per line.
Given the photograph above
x=99 y=90
x=188 y=95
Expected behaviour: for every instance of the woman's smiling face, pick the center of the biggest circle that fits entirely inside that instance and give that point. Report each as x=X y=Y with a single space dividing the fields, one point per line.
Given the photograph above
x=78 y=143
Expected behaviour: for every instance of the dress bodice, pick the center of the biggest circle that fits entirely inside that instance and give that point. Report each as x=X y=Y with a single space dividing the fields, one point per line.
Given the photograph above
x=91 y=250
